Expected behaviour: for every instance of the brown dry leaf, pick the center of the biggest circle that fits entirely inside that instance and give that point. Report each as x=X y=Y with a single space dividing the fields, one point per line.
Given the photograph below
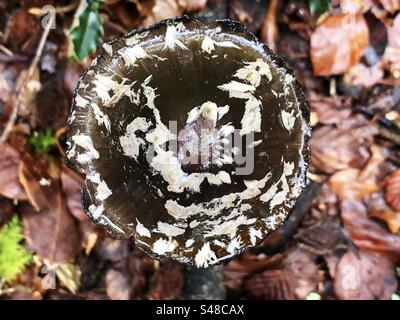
x=41 y=181
x=162 y=9
x=378 y=208
x=90 y=233
x=338 y=44
x=71 y=186
x=391 y=5
x=10 y=186
x=167 y=282
x=363 y=76
x=322 y=236
x=127 y=278
x=342 y=146
x=6 y=210
x=22 y=31
x=52 y=235
x=132 y=12
x=356 y=184
x=330 y=109
x=240 y=268
x=392 y=52
x=364 y=276
x=392 y=194
x=192 y=5
x=271 y=285
x=366 y=233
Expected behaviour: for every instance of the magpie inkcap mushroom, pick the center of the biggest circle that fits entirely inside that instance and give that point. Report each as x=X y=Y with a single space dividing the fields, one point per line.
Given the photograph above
x=194 y=139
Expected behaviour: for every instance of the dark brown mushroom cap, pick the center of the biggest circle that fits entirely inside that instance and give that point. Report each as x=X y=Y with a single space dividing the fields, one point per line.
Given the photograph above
x=241 y=139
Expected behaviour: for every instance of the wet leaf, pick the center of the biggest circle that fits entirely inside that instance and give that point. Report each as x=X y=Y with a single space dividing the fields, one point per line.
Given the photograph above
x=338 y=44
x=58 y=238
x=366 y=233
x=364 y=276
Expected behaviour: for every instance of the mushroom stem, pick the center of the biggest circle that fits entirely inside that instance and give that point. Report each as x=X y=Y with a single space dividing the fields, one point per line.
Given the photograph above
x=205 y=283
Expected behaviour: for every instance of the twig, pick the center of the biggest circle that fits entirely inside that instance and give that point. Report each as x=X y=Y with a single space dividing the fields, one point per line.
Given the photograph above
x=28 y=77
x=269 y=29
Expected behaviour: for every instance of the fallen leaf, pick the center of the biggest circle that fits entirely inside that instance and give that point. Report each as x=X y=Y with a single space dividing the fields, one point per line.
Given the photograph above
x=167 y=282
x=338 y=43
x=6 y=210
x=392 y=194
x=364 y=276
x=342 y=146
x=391 y=5
x=355 y=183
x=53 y=235
x=363 y=76
x=162 y=9
x=330 y=109
x=10 y=186
x=366 y=233
x=392 y=52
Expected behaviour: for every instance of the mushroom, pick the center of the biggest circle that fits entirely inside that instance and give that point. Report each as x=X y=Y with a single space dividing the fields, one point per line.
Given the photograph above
x=193 y=138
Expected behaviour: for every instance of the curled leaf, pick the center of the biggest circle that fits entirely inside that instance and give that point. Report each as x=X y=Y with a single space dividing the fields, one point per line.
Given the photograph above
x=338 y=44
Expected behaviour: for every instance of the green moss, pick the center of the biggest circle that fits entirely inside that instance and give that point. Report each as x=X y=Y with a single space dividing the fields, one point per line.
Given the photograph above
x=42 y=141
x=13 y=256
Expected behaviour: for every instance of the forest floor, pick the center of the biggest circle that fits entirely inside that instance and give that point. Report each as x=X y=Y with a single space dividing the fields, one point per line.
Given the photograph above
x=344 y=240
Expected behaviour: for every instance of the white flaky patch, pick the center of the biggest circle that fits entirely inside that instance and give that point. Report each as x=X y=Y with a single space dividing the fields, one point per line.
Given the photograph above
x=288 y=119
x=189 y=243
x=102 y=190
x=204 y=256
x=86 y=143
x=208 y=45
x=171 y=37
x=253 y=71
x=132 y=54
x=254 y=234
x=251 y=120
x=169 y=230
x=142 y=230
x=230 y=227
x=108 y=48
x=162 y=246
x=81 y=102
x=96 y=212
x=101 y=117
x=272 y=195
x=130 y=143
x=208 y=110
x=237 y=89
x=111 y=91
x=216 y=205
x=234 y=245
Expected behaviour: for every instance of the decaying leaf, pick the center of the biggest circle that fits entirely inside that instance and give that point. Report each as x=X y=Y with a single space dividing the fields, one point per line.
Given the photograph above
x=364 y=276
x=338 y=43
x=367 y=234
x=342 y=146
x=53 y=235
x=392 y=193
x=392 y=52
x=355 y=183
